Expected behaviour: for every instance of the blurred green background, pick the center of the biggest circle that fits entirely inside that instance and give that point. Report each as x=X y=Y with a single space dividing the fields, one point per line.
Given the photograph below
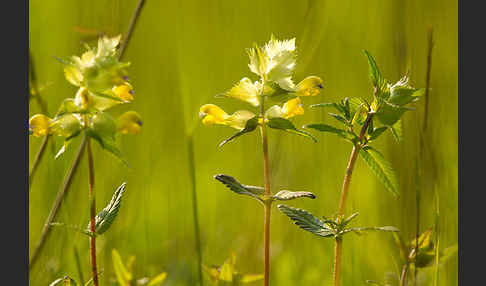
x=185 y=52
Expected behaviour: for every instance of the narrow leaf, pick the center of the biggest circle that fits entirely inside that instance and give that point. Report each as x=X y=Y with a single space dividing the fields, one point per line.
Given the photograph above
x=396 y=130
x=285 y=195
x=328 y=128
x=288 y=126
x=381 y=168
x=122 y=275
x=360 y=230
x=306 y=221
x=377 y=132
x=250 y=126
x=157 y=279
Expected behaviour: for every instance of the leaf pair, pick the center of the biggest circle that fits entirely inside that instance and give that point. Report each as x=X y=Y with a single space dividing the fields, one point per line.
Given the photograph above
x=274 y=123
x=259 y=192
x=327 y=228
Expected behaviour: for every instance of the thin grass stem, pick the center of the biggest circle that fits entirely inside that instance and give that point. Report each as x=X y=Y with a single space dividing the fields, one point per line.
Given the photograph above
x=92 y=224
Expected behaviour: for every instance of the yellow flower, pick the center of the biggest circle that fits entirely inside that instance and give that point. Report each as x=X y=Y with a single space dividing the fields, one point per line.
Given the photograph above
x=124 y=91
x=129 y=122
x=245 y=90
x=212 y=114
x=310 y=86
x=290 y=109
x=39 y=125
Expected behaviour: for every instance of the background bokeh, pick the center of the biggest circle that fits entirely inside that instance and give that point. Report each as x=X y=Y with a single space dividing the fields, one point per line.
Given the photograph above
x=185 y=52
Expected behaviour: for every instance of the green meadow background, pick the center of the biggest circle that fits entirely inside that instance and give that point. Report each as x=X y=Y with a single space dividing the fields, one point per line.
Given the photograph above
x=183 y=53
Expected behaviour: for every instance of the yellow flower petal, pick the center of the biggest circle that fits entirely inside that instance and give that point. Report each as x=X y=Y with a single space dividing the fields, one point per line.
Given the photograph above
x=124 y=91
x=239 y=118
x=39 y=125
x=310 y=86
x=292 y=108
x=245 y=90
x=212 y=114
x=129 y=122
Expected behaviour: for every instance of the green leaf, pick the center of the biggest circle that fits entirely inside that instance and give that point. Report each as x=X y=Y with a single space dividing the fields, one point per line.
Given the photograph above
x=339 y=118
x=157 y=280
x=360 y=230
x=349 y=219
x=276 y=93
x=376 y=78
x=104 y=219
x=389 y=114
x=381 y=168
x=65 y=281
x=288 y=126
x=377 y=132
x=250 y=126
x=122 y=275
x=239 y=188
x=285 y=195
x=306 y=221
x=328 y=128
x=396 y=130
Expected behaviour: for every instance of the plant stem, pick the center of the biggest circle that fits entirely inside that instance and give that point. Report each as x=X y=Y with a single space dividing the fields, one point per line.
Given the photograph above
x=266 y=178
x=34 y=92
x=78 y=265
x=192 y=174
x=344 y=194
x=92 y=225
x=403 y=277
x=131 y=28
x=57 y=203
x=37 y=159
x=74 y=166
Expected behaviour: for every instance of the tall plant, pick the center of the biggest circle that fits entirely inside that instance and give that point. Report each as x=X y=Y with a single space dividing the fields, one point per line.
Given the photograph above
x=102 y=83
x=359 y=120
x=274 y=65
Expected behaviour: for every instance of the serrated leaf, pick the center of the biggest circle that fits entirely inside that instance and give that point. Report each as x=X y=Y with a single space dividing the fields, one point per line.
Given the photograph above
x=104 y=219
x=65 y=281
x=288 y=126
x=331 y=129
x=377 y=132
x=381 y=168
x=389 y=114
x=396 y=130
x=376 y=78
x=250 y=126
x=306 y=221
x=122 y=275
x=239 y=188
x=157 y=280
x=285 y=195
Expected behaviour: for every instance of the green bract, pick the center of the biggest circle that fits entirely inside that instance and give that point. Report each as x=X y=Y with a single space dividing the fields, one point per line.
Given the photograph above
x=103 y=83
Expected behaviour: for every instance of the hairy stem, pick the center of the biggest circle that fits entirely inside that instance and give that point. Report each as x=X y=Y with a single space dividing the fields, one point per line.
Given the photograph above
x=57 y=204
x=67 y=182
x=266 y=178
x=192 y=174
x=344 y=194
x=92 y=212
